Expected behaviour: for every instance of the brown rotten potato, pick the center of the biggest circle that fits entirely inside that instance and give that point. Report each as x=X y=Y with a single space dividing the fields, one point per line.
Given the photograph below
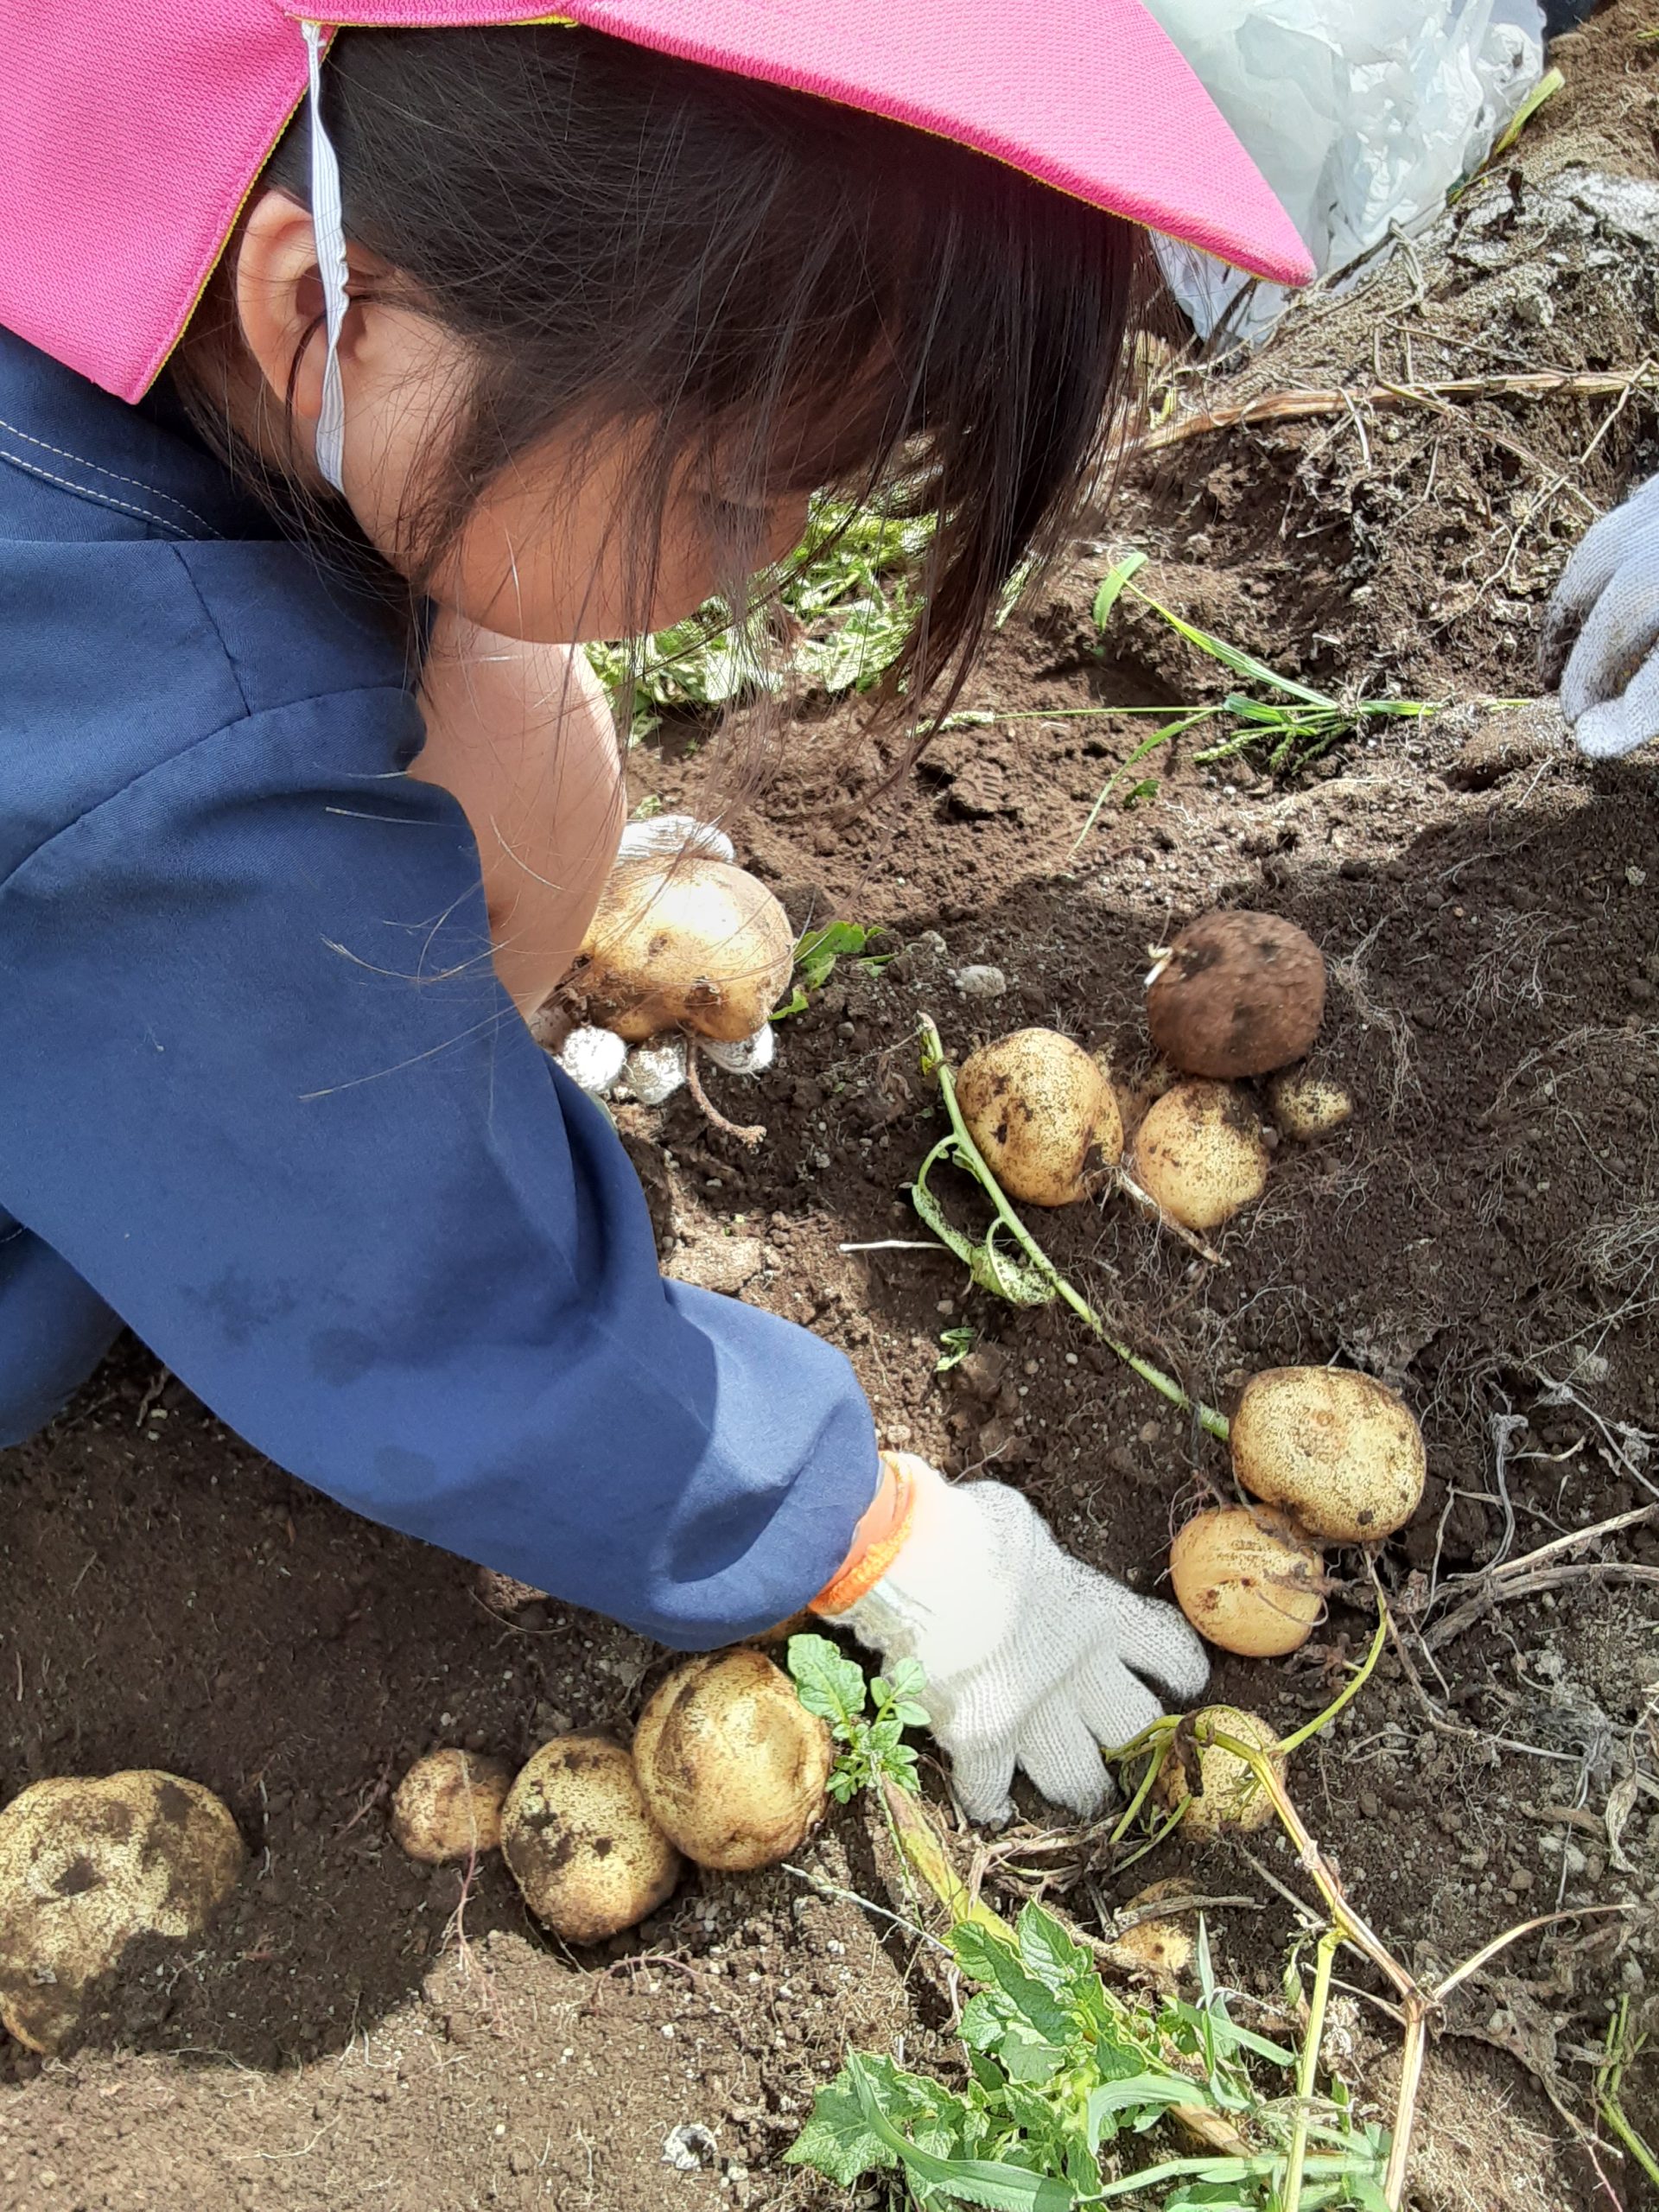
x=697 y=945
x=1250 y=1582
x=1044 y=1114
x=581 y=1841
x=1239 y=994
x=731 y=1764
x=1333 y=1447
x=88 y=1865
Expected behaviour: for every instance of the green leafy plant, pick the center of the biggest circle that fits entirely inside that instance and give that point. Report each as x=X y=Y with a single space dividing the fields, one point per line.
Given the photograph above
x=955 y=1344
x=816 y=953
x=872 y=1750
x=1620 y=2052
x=835 y=612
x=1063 y=2074
x=1288 y=730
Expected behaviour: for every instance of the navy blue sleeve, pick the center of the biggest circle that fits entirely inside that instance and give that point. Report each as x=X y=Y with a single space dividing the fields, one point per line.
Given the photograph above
x=262 y=1092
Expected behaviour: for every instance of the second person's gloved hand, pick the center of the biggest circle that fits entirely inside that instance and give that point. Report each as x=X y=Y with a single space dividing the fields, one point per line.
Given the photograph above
x=1601 y=633
x=1032 y=1659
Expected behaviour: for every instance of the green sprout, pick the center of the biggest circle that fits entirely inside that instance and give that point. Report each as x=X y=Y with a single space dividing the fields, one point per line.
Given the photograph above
x=873 y=1751
x=816 y=953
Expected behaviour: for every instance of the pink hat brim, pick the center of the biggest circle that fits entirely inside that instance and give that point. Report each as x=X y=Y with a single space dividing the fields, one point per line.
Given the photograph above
x=132 y=131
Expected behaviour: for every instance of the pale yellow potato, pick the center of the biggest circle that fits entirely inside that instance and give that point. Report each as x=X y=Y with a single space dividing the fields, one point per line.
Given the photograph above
x=448 y=1806
x=1044 y=1114
x=1198 y=1154
x=1162 y=1949
x=1250 y=1582
x=1223 y=1790
x=1333 y=1447
x=1306 y=1106
x=696 y=944
x=731 y=1764
x=581 y=1842
x=88 y=1865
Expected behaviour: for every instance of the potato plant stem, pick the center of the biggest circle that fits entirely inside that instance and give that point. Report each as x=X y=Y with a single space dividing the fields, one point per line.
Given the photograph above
x=974 y=1160
x=1307 y=2070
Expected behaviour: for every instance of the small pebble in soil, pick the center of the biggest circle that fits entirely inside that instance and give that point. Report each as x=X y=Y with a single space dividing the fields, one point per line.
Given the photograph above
x=977 y=982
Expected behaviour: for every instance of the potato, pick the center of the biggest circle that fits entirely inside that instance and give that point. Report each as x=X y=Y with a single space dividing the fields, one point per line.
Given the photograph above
x=581 y=1842
x=1044 y=1114
x=1224 y=1792
x=1250 y=1582
x=87 y=1865
x=1333 y=1447
x=698 y=945
x=1305 y=1107
x=732 y=1763
x=448 y=1806
x=1239 y=994
x=1160 y=1947
x=1199 y=1154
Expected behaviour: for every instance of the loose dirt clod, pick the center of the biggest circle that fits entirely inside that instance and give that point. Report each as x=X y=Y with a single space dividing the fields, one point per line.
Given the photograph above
x=1240 y=994
x=733 y=1765
x=581 y=1841
x=87 y=1865
x=448 y=1806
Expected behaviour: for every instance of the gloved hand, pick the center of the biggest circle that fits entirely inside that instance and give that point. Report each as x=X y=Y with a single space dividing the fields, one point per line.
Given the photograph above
x=1032 y=1658
x=1601 y=633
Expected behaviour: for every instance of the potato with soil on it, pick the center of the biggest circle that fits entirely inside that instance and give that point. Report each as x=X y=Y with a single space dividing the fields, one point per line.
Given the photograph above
x=580 y=1843
x=1162 y=1948
x=448 y=1806
x=1306 y=1106
x=88 y=1865
x=1333 y=1447
x=1250 y=1582
x=1237 y=994
x=699 y=945
x=1198 y=1154
x=733 y=1765
x=1044 y=1115
x=1224 y=1791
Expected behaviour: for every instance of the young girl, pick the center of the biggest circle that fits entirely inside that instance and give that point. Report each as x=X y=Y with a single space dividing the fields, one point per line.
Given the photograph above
x=305 y=799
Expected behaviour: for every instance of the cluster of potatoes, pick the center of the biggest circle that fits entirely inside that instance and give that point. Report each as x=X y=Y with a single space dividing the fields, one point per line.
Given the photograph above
x=1332 y=1456
x=728 y=1768
x=1237 y=996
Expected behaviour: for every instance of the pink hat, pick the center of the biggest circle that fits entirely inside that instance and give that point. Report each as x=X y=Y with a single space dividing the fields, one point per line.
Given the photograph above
x=132 y=131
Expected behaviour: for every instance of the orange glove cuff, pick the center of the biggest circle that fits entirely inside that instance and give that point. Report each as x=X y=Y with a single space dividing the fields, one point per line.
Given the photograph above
x=877 y=1541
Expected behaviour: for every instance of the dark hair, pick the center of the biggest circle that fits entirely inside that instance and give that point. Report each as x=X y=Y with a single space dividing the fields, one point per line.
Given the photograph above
x=789 y=293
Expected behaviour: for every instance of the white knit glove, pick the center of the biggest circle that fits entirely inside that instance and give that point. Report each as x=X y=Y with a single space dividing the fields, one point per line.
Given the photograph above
x=1027 y=1652
x=1601 y=633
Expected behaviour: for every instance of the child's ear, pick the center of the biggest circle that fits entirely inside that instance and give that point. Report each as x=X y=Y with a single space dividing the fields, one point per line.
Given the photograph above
x=279 y=300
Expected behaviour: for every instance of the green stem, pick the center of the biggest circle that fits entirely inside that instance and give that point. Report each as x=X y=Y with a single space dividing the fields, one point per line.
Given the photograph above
x=1349 y=1690
x=1307 y=2071
x=1207 y=1417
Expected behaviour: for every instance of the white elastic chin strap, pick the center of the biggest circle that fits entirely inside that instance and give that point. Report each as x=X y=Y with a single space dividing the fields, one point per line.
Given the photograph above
x=327 y=221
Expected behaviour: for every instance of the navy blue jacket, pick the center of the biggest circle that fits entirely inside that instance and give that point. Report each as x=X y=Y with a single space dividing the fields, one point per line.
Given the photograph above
x=262 y=1098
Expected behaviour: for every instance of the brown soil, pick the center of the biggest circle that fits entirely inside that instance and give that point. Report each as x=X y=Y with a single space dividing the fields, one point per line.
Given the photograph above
x=360 y=2032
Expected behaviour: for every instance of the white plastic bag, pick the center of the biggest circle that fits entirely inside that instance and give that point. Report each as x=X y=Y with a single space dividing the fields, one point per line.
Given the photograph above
x=1361 y=114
